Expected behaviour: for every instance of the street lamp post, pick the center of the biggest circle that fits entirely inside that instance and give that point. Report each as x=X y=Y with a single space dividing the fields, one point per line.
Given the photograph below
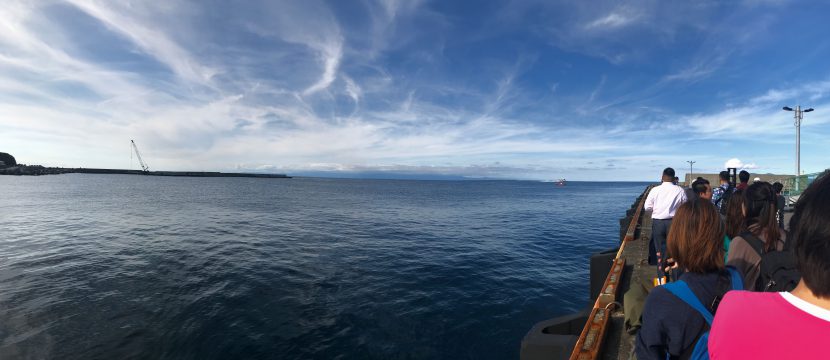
x=691 y=171
x=798 y=115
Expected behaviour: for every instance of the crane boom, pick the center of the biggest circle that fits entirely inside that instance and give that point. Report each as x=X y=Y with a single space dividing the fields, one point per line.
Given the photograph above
x=140 y=160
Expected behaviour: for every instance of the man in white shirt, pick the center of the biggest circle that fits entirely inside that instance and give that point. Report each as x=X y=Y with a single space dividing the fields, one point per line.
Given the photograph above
x=663 y=202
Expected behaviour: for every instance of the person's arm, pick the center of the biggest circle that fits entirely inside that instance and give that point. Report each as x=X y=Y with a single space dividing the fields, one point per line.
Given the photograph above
x=650 y=339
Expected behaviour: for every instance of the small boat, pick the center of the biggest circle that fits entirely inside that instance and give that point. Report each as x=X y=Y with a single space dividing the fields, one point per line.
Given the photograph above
x=561 y=182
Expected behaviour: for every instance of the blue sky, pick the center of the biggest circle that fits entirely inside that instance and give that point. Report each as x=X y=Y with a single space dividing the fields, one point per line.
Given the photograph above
x=586 y=90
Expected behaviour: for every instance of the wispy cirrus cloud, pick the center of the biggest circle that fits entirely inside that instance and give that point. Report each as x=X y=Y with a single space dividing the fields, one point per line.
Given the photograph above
x=697 y=71
x=555 y=89
x=148 y=36
x=614 y=20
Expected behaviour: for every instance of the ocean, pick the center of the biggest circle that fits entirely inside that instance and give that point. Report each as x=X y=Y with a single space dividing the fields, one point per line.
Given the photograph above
x=124 y=266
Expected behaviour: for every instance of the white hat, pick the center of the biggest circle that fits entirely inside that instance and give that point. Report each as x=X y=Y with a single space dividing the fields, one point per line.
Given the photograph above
x=756 y=179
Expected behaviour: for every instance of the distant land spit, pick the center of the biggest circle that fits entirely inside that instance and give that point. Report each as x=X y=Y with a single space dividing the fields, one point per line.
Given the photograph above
x=41 y=170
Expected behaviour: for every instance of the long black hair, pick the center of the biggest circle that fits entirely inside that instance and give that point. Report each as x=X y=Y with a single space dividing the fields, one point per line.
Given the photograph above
x=761 y=209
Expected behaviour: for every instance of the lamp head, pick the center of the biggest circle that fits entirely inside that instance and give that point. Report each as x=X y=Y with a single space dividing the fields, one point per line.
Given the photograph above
x=808 y=110
x=788 y=108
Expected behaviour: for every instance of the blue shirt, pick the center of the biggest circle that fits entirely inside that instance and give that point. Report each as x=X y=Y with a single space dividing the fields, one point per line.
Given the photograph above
x=717 y=194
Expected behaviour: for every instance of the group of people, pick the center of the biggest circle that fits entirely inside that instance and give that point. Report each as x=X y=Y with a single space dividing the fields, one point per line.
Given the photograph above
x=744 y=287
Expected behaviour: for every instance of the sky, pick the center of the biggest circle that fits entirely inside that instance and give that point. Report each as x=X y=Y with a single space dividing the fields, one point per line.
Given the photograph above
x=536 y=89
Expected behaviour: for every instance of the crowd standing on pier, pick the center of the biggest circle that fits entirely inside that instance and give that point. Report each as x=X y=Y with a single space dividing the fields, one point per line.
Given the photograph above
x=720 y=241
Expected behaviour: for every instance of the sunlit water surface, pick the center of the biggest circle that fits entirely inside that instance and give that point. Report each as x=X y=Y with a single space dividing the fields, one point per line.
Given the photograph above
x=120 y=266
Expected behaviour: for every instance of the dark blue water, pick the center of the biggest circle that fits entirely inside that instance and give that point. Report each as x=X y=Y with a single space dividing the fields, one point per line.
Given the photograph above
x=119 y=266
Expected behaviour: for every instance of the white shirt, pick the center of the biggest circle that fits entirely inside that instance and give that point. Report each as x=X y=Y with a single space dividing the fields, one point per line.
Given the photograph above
x=664 y=200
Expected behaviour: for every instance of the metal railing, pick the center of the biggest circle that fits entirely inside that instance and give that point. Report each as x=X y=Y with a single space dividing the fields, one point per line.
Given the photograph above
x=591 y=340
x=794 y=186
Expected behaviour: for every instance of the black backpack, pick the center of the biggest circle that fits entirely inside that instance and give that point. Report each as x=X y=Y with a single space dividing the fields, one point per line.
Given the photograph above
x=724 y=199
x=777 y=270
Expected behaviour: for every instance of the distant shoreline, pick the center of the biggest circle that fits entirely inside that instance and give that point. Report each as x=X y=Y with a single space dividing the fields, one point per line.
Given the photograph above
x=37 y=170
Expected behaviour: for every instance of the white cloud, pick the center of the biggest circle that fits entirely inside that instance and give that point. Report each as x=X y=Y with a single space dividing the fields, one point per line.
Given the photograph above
x=749 y=123
x=225 y=104
x=611 y=21
x=774 y=96
x=149 y=37
x=695 y=71
x=738 y=164
x=814 y=91
x=632 y=33
x=353 y=90
x=308 y=23
x=330 y=56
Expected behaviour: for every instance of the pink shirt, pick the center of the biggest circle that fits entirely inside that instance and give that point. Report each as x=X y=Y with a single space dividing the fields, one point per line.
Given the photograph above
x=752 y=325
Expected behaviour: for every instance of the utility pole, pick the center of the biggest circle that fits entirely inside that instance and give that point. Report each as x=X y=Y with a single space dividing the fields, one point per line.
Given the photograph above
x=691 y=171
x=798 y=115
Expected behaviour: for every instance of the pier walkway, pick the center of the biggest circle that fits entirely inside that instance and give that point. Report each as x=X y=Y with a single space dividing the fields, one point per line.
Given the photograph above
x=619 y=344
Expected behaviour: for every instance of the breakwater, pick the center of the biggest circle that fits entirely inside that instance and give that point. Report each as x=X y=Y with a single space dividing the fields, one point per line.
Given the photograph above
x=36 y=170
x=598 y=331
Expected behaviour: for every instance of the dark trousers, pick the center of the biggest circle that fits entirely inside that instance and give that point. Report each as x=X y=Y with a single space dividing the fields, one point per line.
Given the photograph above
x=659 y=231
x=780 y=215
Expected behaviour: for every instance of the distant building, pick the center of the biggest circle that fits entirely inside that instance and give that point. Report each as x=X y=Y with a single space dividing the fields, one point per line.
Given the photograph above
x=714 y=179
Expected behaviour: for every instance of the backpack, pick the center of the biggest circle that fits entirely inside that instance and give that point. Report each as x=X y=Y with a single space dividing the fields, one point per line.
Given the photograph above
x=777 y=269
x=681 y=290
x=724 y=199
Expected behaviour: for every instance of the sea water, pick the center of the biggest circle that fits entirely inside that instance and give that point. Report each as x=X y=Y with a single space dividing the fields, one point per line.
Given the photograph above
x=121 y=266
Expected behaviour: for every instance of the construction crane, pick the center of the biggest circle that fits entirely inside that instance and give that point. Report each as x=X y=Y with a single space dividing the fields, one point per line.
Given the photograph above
x=140 y=160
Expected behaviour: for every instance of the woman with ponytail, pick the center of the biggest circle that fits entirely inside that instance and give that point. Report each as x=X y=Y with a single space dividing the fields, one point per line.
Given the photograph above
x=759 y=208
x=735 y=220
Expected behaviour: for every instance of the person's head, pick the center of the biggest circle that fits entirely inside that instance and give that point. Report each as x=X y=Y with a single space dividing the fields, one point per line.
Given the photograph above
x=724 y=177
x=702 y=188
x=735 y=219
x=695 y=239
x=668 y=174
x=777 y=187
x=743 y=176
x=760 y=210
x=810 y=229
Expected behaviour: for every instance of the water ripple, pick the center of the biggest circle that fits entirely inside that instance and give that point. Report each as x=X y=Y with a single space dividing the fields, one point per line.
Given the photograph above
x=145 y=267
